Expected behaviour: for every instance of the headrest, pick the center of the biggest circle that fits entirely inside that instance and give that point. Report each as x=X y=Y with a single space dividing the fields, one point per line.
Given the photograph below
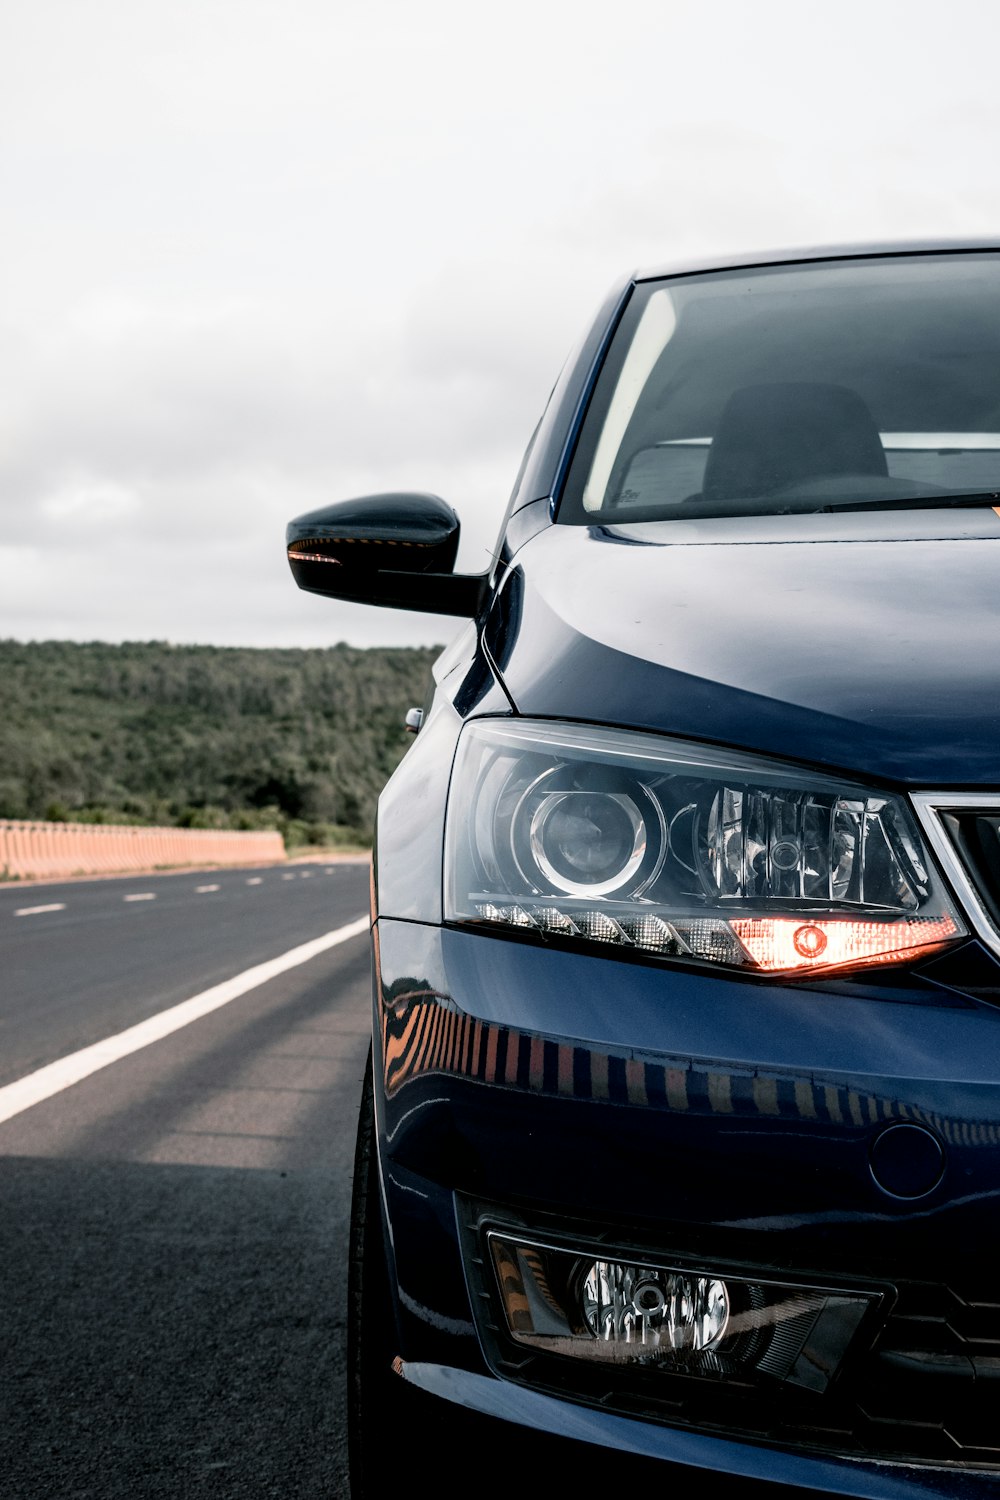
x=773 y=436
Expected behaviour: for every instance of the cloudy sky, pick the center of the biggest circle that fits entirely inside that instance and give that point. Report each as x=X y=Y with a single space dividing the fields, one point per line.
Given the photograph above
x=259 y=255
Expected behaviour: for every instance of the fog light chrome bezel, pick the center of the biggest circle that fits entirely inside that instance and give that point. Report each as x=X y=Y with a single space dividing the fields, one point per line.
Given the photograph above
x=777 y=1331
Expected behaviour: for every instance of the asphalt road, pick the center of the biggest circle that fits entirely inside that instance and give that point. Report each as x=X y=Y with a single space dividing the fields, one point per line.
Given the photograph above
x=173 y=1229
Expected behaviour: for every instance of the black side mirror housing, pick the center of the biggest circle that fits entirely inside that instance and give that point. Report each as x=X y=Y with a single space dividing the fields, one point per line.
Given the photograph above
x=397 y=550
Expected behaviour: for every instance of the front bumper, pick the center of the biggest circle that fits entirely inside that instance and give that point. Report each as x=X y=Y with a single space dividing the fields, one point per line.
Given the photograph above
x=723 y=1122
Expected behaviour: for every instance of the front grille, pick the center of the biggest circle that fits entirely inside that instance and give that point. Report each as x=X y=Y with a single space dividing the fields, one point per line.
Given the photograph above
x=976 y=838
x=929 y=1388
x=921 y=1385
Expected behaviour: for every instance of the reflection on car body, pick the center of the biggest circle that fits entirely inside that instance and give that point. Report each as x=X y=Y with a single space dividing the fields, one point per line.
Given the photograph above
x=679 y=1144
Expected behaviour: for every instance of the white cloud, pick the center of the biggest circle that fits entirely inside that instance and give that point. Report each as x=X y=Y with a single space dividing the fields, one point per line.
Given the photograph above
x=262 y=256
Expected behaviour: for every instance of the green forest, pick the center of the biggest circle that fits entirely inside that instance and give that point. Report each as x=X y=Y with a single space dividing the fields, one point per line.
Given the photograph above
x=205 y=736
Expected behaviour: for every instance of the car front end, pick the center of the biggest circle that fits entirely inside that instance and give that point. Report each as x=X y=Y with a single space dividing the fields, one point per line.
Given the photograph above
x=681 y=1152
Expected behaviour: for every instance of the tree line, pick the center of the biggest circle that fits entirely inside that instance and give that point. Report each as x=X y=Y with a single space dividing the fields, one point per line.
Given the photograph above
x=205 y=736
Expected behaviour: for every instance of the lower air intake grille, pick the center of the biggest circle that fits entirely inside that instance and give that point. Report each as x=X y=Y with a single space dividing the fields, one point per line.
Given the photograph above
x=922 y=1386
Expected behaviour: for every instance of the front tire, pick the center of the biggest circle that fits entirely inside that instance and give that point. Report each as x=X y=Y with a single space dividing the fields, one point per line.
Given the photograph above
x=373 y=1391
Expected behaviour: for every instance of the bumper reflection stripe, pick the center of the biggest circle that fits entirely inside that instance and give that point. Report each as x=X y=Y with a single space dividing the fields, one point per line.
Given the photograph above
x=489 y=1072
x=805 y=1101
x=449 y=1042
x=501 y=1067
x=423 y=1033
x=765 y=1096
x=719 y=1096
x=598 y=1075
x=582 y=1061
x=655 y=1085
x=550 y=1075
x=472 y=1059
x=617 y=1086
x=524 y=1042
x=635 y=1081
x=433 y=1049
x=536 y=1063
x=513 y=1053
x=676 y=1082
x=425 y=1039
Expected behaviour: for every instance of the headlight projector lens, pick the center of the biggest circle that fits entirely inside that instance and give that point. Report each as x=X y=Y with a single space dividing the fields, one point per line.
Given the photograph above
x=587 y=843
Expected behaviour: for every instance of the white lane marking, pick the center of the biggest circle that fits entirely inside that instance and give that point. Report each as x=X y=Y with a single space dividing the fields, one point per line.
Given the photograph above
x=200 y=890
x=141 y=896
x=55 y=1077
x=288 y=877
x=34 y=911
x=255 y=880
x=306 y=875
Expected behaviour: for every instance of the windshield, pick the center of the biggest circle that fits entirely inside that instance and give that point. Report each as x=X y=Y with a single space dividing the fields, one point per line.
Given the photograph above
x=867 y=384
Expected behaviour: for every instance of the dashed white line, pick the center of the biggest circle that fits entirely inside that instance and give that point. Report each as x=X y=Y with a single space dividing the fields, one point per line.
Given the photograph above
x=200 y=890
x=35 y=911
x=306 y=875
x=56 y=1076
x=288 y=877
x=255 y=880
x=141 y=896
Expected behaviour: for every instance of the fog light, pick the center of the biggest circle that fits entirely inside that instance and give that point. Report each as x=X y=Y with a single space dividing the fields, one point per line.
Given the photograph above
x=562 y=1301
x=630 y=1303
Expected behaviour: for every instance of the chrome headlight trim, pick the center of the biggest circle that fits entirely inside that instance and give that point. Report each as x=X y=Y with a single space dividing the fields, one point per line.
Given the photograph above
x=930 y=808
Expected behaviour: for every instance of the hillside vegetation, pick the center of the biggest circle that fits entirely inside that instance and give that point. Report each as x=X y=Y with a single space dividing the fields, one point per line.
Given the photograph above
x=205 y=736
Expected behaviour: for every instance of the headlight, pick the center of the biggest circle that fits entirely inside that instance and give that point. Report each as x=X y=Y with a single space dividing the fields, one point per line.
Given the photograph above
x=685 y=851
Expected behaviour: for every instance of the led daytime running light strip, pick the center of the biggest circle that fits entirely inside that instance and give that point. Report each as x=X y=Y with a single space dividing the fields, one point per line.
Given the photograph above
x=645 y=931
x=769 y=944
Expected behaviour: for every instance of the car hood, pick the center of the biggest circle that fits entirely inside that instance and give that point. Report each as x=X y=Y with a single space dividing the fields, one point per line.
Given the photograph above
x=865 y=641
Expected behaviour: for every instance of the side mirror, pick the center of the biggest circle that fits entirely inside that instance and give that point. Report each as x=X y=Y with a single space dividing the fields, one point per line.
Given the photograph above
x=396 y=550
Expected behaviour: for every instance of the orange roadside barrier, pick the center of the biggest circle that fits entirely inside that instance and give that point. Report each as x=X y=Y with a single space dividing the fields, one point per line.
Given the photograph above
x=32 y=850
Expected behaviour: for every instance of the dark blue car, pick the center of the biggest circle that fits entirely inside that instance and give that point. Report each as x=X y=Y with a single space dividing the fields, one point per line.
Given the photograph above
x=679 y=1157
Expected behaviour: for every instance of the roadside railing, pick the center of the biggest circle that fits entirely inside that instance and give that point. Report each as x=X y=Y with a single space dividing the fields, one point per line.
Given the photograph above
x=34 y=850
